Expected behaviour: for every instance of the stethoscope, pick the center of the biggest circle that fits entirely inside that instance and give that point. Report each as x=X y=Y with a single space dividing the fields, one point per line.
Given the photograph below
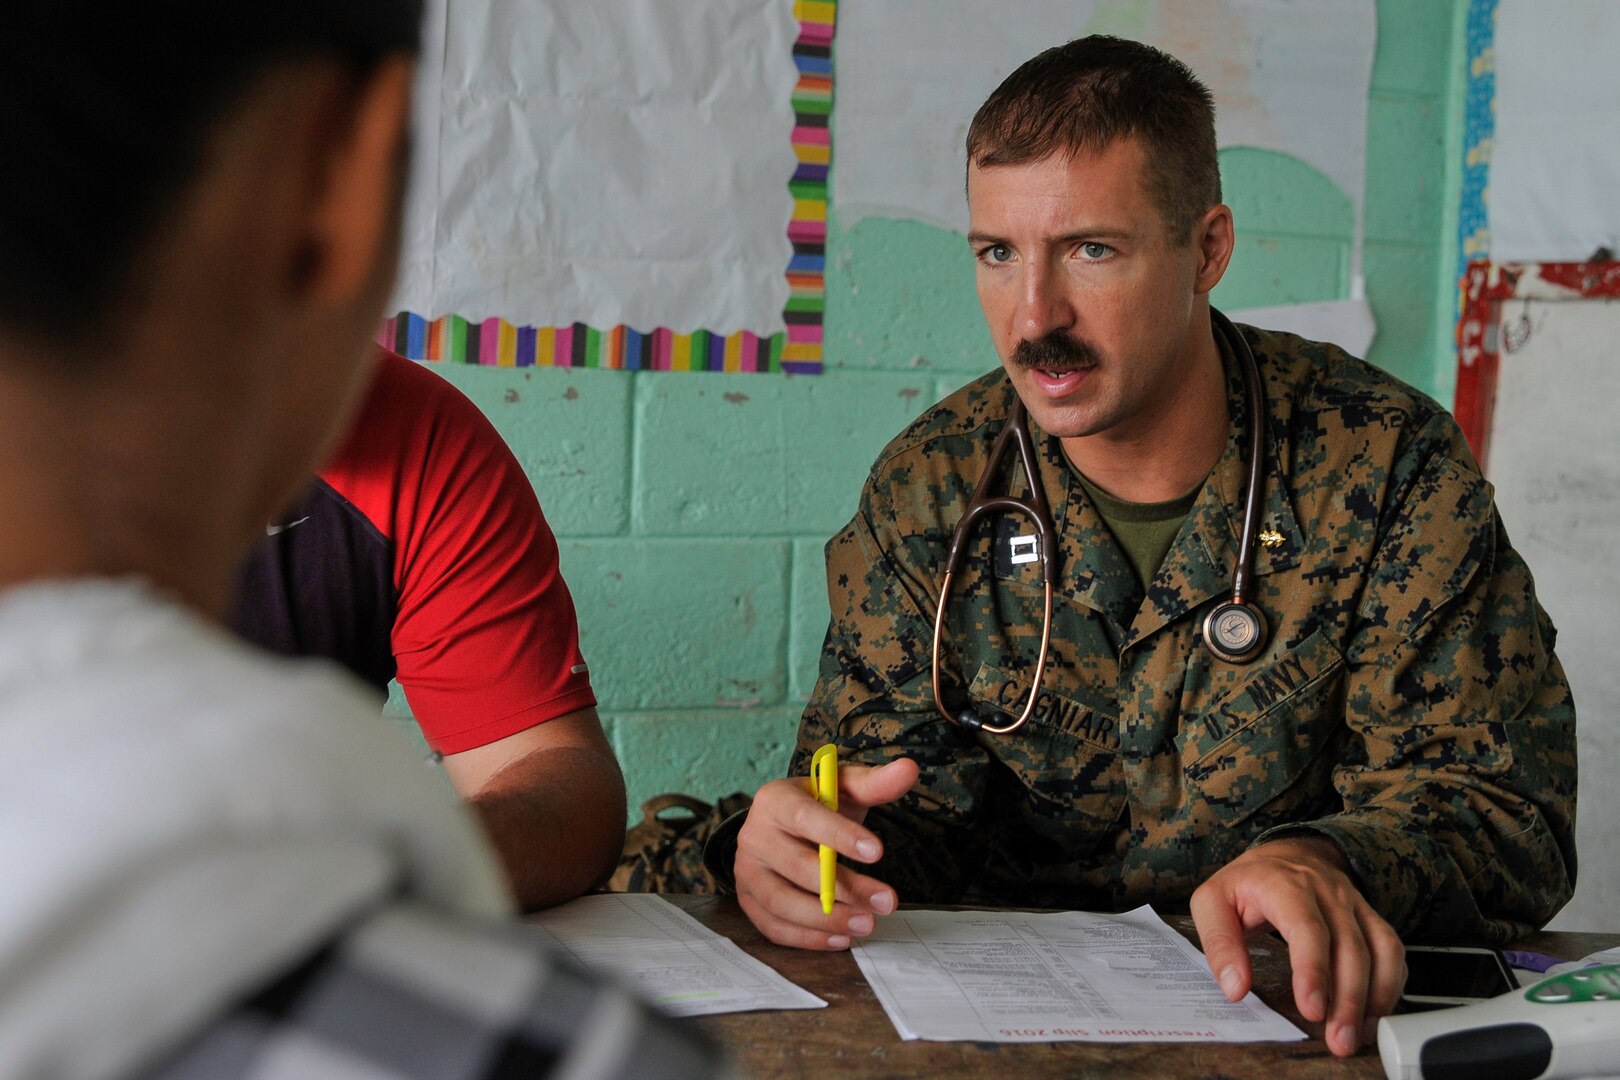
x=1234 y=631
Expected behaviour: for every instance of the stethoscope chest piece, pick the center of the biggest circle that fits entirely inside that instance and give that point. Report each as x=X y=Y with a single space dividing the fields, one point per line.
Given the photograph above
x=1235 y=632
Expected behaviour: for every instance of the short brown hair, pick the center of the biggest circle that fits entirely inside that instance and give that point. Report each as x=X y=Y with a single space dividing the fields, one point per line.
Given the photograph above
x=1084 y=95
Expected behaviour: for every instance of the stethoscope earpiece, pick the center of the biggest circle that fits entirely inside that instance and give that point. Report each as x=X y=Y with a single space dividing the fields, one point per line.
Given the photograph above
x=1235 y=632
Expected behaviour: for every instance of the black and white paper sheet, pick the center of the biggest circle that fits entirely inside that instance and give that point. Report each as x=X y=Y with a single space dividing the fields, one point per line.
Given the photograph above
x=948 y=976
x=667 y=956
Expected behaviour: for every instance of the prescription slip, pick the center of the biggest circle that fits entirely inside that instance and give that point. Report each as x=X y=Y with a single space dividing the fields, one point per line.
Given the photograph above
x=947 y=976
x=667 y=956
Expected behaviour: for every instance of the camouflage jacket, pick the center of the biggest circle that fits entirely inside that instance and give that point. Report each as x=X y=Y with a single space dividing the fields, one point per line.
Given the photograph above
x=1408 y=704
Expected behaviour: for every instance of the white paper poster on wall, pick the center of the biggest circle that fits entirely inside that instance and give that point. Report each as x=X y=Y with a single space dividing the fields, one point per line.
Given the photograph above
x=1554 y=161
x=610 y=162
x=1349 y=324
x=1555 y=463
x=1288 y=75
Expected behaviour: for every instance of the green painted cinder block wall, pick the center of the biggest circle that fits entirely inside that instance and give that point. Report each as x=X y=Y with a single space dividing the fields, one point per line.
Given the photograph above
x=692 y=508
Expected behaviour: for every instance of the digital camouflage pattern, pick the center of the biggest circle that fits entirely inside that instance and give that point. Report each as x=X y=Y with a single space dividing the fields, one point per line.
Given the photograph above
x=1407 y=705
x=664 y=852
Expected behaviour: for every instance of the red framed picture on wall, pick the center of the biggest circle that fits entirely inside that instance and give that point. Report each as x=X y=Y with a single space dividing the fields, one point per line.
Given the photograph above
x=1483 y=335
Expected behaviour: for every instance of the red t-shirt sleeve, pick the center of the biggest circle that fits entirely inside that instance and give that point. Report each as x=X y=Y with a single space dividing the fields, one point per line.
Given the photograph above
x=484 y=635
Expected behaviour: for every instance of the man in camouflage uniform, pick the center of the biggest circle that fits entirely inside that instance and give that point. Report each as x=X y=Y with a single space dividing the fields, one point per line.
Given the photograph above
x=1398 y=759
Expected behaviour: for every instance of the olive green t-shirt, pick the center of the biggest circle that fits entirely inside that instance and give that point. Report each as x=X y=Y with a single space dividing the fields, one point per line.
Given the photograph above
x=1145 y=531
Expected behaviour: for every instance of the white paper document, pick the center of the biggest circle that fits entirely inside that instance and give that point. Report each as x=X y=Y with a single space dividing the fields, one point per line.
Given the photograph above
x=667 y=956
x=1349 y=324
x=1064 y=976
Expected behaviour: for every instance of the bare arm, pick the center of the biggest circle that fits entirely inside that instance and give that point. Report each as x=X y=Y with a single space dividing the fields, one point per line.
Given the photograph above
x=552 y=800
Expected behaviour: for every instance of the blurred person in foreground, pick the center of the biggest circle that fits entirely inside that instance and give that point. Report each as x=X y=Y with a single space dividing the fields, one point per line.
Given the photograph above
x=218 y=863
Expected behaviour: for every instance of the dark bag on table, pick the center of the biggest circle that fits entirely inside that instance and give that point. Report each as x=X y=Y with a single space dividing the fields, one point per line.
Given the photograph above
x=664 y=852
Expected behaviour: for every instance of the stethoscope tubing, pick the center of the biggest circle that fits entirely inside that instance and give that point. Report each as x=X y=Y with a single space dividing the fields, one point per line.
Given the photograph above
x=1015 y=434
x=1035 y=509
x=1257 y=449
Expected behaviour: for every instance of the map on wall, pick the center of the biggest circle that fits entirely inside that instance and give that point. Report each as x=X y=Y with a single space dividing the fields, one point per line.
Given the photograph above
x=1291 y=76
x=620 y=183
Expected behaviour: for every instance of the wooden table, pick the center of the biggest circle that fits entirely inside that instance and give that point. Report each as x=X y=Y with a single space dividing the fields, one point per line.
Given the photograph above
x=852 y=1038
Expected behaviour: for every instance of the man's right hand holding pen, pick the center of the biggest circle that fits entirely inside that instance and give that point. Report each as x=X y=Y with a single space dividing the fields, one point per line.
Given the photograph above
x=779 y=872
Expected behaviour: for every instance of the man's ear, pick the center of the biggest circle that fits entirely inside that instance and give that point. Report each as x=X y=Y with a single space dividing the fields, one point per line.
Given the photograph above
x=1214 y=238
x=356 y=202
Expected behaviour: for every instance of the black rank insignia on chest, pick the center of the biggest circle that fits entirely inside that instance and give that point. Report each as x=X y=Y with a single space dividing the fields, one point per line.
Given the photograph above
x=1018 y=549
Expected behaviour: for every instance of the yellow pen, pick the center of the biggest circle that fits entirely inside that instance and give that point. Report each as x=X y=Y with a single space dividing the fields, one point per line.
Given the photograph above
x=824 y=784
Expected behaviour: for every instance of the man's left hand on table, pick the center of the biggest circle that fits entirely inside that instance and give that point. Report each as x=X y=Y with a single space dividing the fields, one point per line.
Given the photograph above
x=1349 y=966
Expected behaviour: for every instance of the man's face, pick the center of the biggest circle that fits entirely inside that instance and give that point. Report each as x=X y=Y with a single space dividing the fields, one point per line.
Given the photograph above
x=1088 y=296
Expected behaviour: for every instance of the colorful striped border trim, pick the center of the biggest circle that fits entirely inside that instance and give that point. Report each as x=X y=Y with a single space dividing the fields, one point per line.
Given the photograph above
x=812 y=147
x=1479 y=130
x=497 y=343
x=797 y=350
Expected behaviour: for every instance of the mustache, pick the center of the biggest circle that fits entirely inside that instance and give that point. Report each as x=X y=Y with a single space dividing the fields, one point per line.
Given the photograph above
x=1055 y=352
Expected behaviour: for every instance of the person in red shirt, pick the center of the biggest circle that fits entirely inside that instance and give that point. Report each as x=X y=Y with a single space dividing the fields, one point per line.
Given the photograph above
x=420 y=553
